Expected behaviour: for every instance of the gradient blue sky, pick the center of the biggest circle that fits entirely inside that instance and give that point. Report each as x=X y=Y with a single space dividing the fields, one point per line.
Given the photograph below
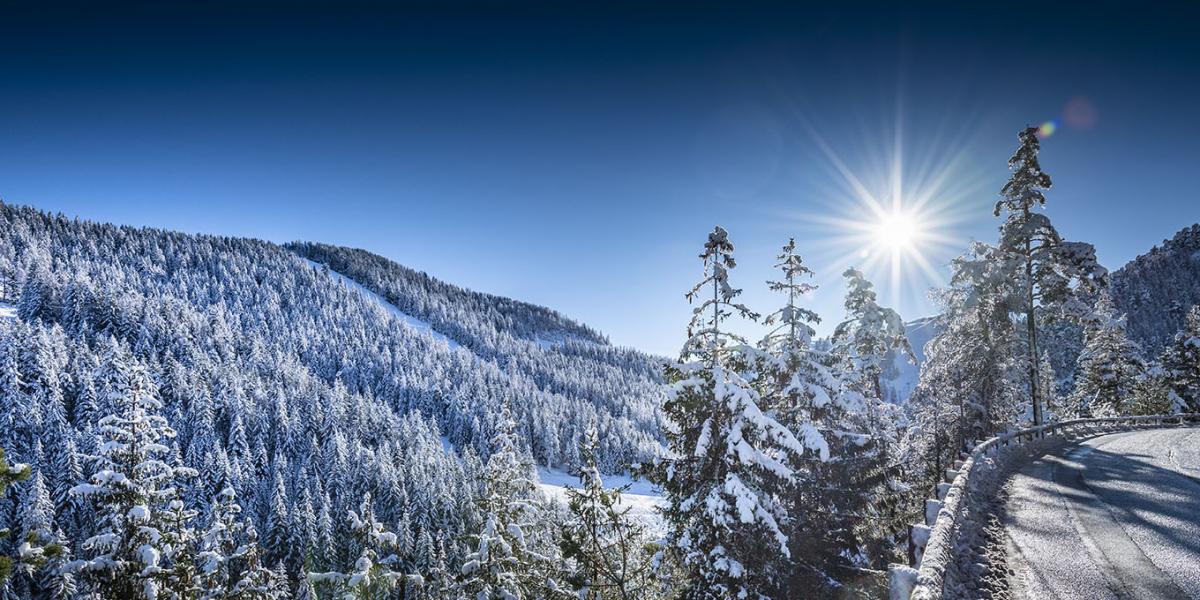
x=576 y=155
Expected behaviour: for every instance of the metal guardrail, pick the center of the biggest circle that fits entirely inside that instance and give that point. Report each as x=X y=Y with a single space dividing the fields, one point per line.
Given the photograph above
x=939 y=549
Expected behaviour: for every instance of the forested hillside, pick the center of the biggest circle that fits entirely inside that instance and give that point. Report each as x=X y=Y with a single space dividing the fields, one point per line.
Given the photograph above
x=1156 y=289
x=297 y=393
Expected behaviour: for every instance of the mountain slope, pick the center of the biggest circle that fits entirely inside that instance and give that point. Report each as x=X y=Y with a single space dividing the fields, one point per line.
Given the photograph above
x=293 y=385
x=1156 y=289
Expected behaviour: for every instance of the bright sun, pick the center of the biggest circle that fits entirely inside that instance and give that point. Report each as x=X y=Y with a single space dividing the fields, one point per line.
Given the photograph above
x=895 y=216
x=896 y=231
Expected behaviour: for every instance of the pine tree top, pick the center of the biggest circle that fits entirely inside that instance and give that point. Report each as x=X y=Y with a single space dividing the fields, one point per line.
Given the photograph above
x=1025 y=186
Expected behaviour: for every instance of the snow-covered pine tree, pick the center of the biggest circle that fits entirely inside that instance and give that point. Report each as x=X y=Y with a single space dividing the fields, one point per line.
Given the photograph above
x=970 y=386
x=606 y=547
x=276 y=540
x=1151 y=394
x=1110 y=365
x=257 y=581
x=1181 y=366
x=1048 y=272
x=503 y=565
x=377 y=568
x=810 y=392
x=130 y=483
x=31 y=552
x=220 y=546
x=179 y=576
x=864 y=344
x=305 y=590
x=728 y=461
x=869 y=335
x=39 y=529
x=796 y=379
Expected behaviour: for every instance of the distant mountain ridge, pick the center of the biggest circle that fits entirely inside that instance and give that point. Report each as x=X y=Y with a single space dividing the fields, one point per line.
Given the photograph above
x=303 y=378
x=443 y=304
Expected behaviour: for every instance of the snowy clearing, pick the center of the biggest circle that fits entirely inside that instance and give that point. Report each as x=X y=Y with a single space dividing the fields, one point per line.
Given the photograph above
x=412 y=321
x=547 y=340
x=642 y=498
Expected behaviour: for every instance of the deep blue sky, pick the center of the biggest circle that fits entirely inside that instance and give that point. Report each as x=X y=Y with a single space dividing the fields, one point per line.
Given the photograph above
x=576 y=157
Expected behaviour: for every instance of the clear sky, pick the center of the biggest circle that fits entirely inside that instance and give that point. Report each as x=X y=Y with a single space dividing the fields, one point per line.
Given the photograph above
x=576 y=155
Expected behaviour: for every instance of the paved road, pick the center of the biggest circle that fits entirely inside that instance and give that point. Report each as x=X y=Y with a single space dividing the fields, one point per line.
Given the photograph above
x=1114 y=517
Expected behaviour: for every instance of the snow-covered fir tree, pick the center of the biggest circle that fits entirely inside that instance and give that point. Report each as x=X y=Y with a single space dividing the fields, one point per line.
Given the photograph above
x=604 y=546
x=35 y=546
x=131 y=485
x=811 y=393
x=1181 y=366
x=504 y=563
x=377 y=569
x=1151 y=394
x=180 y=545
x=796 y=379
x=1051 y=275
x=229 y=556
x=972 y=381
x=863 y=345
x=728 y=461
x=869 y=335
x=1110 y=365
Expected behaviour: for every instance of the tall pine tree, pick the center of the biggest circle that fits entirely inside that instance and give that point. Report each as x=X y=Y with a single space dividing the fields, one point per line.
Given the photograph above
x=504 y=563
x=131 y=485
x=729 y=460
x=1047 y=271
x=1181 y=366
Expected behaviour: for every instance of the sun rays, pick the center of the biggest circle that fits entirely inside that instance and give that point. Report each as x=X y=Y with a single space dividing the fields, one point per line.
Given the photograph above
x=897 y=214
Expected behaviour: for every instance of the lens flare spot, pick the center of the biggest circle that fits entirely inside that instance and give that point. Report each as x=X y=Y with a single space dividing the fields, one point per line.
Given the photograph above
x=1047 y=129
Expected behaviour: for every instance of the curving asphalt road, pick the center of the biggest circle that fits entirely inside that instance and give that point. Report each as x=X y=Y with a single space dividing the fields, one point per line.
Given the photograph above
x=1113 y=517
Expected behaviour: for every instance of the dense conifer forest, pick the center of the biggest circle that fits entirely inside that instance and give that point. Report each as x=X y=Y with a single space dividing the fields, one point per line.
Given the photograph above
x=194 y=416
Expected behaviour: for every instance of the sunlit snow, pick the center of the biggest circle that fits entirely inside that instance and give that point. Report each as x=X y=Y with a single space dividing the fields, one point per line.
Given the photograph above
x=642 y=498
x=410 y=320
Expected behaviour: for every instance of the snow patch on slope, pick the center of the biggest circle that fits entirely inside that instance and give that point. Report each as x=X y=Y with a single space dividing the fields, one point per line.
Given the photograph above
x=408 y=319
x=547 y=340
x=642 y=498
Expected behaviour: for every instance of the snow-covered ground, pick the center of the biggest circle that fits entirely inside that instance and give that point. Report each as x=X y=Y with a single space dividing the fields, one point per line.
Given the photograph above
x=7 y=311
x=641 y=497
x=412 y=321
x=549 y=339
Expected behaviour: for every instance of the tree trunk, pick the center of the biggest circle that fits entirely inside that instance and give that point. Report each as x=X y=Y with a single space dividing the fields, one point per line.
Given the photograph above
x=1031 y=324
